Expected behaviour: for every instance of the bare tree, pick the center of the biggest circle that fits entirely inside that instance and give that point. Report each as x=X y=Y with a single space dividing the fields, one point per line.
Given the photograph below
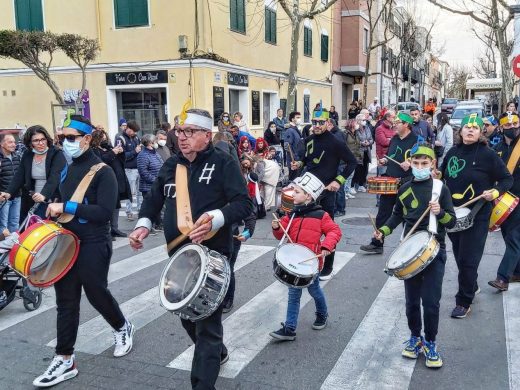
x=457 y=78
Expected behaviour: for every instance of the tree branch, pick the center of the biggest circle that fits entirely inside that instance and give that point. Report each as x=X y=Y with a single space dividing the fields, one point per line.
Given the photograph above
x=471 y=14
x=319 y=10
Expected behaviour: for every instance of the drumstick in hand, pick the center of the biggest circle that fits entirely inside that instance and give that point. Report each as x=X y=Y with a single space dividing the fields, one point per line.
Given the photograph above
x=470 y=202
x=281 y=227
x=290 y=152
x=373 y=223
x=391 y=159
x=311 y=258
x=182 y=237
x=412 y=230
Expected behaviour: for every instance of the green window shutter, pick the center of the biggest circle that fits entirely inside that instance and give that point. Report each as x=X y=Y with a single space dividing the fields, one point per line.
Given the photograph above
x=233 y=14
x=237 y=13
x=29 y=15
x=307 y=41
x=131 y=13
x=270 y=25
x=324 y=47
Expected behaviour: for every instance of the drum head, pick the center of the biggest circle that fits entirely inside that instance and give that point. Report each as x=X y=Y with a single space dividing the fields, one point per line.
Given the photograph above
x=182 y=276
x=408 y=249
x=288 y=256
x=461 y=213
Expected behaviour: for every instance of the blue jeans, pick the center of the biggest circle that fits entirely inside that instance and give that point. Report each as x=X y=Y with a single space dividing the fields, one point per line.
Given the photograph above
x=10 y=215
x=293 y=305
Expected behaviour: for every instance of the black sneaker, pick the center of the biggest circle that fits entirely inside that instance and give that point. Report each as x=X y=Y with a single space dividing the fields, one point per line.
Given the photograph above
x=284 y=334
x=371 y=248
x=117 y=233
x=228 y=305
x=338 y=214
x=224 y=358
x=320 y=322
x=460 y=312
x=159 y=228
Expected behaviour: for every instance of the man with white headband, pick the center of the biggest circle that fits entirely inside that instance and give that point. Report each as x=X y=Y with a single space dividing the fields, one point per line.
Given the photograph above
x=215 y=189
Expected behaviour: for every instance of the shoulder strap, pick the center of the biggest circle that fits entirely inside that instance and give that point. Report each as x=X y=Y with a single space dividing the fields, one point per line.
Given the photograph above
x=513 y=159
x=184 y=218
x=82 y=188
x=436 y=194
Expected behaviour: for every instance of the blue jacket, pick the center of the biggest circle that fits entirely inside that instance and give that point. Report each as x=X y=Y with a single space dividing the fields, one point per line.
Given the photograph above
x=252 y=140
x=148 y=164
x=423 y=129
x=293 y=137
x=280 y=126
x=129 y=145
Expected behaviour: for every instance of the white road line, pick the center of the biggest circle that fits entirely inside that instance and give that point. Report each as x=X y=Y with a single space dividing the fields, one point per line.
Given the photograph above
x=511 y=301
x=15 y=313
x=95 y=336
x=372 y=358
x=120 y=242
x=246 y=331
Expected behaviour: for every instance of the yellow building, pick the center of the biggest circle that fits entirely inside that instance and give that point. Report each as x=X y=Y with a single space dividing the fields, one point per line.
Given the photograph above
x=155 y=54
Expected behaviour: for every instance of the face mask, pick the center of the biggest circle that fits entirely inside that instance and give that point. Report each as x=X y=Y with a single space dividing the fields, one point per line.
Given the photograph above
x=364 y=123
x=298 y=121
x=421 y=174
x=273 y=128
x=72 y=149
x=356 y=127
x=510 y=133
x=155 y=145
x=162 y=142
x=40 y=153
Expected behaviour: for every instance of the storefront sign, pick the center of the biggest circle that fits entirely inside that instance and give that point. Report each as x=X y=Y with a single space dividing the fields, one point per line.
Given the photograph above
x=145 y=77
x=241 y=80
x=218 y=104
x=255 y=104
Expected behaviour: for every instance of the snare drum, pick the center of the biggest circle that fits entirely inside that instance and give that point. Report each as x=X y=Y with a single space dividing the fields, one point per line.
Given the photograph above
x=44 y=253
x=287 y=200
x=412 y=255
x=194 y=282
x=288 y=268
x=504 y=206
x=464 y=220
x=383 y=185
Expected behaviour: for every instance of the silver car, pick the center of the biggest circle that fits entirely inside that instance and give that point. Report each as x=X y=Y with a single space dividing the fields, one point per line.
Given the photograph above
x=461 y=111
x=406 y=107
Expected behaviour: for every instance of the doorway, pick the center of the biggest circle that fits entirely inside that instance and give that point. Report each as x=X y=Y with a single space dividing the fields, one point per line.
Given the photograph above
x=148 y=107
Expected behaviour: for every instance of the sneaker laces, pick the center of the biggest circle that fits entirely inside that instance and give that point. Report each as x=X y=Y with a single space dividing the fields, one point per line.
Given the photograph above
x=412 y=342
x=431 y=351
x=120 y=337
x=55 y=364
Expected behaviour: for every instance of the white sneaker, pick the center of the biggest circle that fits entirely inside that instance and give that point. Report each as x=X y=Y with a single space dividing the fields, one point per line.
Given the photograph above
x=361 y=189
x=123 y=339
x=58 y=371
x=353 y=191
x=349 y=196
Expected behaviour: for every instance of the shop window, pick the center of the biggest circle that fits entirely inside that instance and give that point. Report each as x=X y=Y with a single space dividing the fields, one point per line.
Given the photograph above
x=29 y=15
x=131 y=13
x=324 y=47
x=307 y=41
x=270 y=25
x=237 y=14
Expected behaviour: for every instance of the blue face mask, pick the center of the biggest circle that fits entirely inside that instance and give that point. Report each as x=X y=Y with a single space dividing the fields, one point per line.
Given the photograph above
x=40 y=153
x=72 y=148
x=421 y=174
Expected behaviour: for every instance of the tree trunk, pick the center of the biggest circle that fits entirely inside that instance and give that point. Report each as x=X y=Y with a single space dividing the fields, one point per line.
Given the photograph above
x=52 y=85
x=79 y=100
x=367 y=73
x=501 y=39
x=293 y=66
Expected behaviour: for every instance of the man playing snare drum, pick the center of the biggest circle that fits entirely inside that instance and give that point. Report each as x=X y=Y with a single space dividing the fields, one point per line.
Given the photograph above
x=413 y=199
x=218 y=198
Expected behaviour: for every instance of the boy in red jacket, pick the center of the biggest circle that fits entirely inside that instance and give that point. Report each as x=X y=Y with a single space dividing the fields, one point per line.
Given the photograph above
x=309 y=224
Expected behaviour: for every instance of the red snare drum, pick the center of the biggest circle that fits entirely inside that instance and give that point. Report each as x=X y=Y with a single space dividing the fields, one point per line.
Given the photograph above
x=383 y=185
x=287 y=200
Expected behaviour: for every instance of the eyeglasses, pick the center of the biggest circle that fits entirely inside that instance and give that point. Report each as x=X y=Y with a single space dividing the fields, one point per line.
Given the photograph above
x=39 y=141
x=72 y=137
x=188 y=133
x=318 y=123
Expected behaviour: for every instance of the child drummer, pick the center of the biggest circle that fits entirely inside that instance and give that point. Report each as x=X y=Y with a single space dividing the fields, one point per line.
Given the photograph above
x=308 y=225
x=413 y=199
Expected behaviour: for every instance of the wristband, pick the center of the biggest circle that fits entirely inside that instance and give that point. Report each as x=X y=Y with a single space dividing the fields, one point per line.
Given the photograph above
x=70 y=207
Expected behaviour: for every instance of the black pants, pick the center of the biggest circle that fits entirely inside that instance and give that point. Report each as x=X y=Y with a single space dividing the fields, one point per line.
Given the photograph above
x=510 y=264
x=230 y=295
x=386 y=206
x=361 y=172
x=327 y=202
x=207 y=334
x=89 y=272
x=426 y=287
x=293 y=174
x=157 y=220
x=468 y=247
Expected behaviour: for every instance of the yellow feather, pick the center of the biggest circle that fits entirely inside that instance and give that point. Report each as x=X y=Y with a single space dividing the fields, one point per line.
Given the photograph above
x=183 y=115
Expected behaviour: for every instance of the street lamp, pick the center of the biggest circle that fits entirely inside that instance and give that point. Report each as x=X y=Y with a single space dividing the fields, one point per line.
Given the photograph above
x=421 y=86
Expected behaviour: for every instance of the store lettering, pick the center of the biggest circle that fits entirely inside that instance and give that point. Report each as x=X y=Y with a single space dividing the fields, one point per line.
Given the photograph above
x=136 y=77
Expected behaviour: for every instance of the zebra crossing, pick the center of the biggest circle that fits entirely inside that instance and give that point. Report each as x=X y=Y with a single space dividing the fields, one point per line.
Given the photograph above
x=368 y=358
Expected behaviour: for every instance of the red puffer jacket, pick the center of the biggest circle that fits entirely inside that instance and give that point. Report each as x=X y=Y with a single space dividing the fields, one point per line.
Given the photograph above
x=384 y=134
x=310 y=223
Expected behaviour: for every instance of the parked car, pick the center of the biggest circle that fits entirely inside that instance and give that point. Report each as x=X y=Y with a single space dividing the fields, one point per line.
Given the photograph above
x=472 y=102
x=461 y=111
x=448 y=104
x=406 y=107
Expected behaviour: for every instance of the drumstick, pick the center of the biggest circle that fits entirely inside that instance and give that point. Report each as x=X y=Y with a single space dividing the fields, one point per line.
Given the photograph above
x=373 y=224
x=391 y=159
x=182 y=237
x=412 y=230
x=284 y=231
x=470 y=202
x=311 y=258
x=290 y=152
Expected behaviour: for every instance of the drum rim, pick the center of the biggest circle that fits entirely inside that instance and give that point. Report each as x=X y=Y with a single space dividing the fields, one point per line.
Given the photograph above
x=284 y=268
x=204 y=262
x=423 y=247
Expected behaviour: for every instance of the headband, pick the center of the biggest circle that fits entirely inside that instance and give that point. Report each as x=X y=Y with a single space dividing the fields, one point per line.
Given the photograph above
x=79 y=126
x=404 y=117
x=320 y=115
x=199 y=120
x=424 y=151
x=472 y=120
x=510 y=118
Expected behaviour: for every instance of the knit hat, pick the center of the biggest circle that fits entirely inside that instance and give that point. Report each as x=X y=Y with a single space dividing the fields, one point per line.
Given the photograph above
x=310 y=184
x=122 y=121
x=404 y=117
x=472 y=120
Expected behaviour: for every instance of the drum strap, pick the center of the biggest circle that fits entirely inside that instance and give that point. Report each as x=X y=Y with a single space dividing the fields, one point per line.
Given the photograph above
x=436 y=194
x=81 y=190
x=513 y=159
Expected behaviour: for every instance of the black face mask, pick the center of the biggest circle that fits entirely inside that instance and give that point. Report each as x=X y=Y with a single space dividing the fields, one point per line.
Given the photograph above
x=511 y=133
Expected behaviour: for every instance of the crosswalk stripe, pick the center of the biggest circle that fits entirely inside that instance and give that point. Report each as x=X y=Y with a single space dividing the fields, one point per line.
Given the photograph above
x=246 y=331
x=95 y=336
x=14 y=314
x=372 y=358
x=511 y=302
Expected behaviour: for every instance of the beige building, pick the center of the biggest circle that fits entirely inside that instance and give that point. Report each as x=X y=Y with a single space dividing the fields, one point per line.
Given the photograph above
x=155 y=54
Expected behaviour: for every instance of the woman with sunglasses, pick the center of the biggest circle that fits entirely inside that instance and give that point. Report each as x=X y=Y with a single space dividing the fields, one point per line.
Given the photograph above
x=39 y=173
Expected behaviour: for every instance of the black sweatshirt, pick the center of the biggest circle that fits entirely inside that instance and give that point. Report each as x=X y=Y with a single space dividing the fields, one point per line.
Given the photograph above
x=400 y=150
x=214 y=182
x=413 y=198
x=91 y=222
x=504 y=151
x=469 y=170
x=323 y=154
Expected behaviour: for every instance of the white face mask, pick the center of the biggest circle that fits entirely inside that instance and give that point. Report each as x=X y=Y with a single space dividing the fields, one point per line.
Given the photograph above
x=162 y=142
x=155 y=145
x=298 y=121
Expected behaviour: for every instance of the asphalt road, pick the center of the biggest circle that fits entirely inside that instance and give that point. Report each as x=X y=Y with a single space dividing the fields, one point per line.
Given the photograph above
x=359 y=349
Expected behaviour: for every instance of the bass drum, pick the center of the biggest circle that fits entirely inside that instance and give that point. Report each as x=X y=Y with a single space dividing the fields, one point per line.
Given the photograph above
x=194 y=282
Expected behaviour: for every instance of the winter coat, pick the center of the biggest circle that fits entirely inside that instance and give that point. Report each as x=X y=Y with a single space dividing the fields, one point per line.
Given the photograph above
x=129 y=145
x=365 y=134
x=223 y=126
x=280 y=126
x=252 y=140
x=293 y=138
x=148 y=164
x=117 y=163
x=384 y=134
x=354 y=144
x=271 y=138
x=8 y=169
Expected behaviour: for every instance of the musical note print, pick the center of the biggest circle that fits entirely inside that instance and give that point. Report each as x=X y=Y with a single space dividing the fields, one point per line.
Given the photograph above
x=317 y=160
x=455 y=165
x=310 y=148
x=407 y=154
x=463 y=195
x=398 y=149
x=414 y=203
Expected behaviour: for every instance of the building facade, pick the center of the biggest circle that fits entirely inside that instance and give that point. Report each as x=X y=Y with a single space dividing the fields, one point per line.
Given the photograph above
x=155 y=54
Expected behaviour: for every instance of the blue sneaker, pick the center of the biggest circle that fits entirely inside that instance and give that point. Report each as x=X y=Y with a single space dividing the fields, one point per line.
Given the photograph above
x=433 y=359
x=413 y=347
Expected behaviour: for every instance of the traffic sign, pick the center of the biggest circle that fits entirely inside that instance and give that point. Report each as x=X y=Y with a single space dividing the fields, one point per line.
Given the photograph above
x=516 y=66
